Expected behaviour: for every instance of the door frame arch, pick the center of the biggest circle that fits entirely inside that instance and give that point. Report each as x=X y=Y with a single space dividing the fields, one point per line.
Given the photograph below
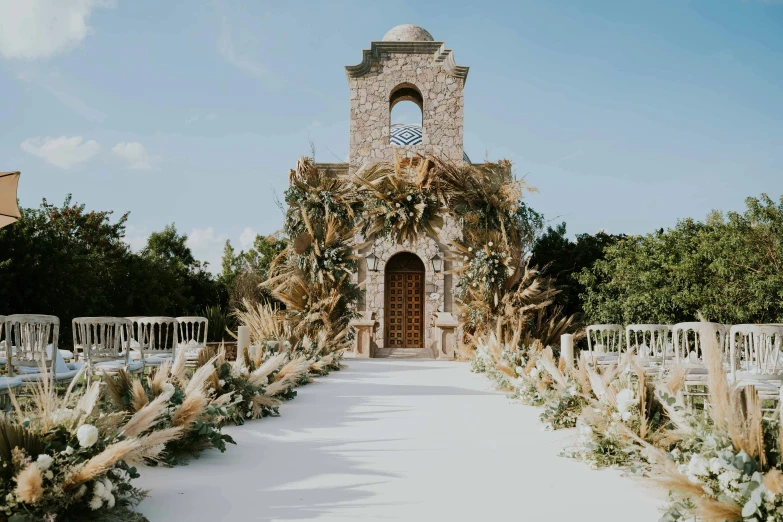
x=404 y=301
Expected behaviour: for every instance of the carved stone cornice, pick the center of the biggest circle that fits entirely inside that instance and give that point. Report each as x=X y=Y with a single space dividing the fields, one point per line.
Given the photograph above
x=437 y=49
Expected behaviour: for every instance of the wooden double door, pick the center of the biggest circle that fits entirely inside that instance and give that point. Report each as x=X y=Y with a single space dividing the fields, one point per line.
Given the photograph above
x=404 y=310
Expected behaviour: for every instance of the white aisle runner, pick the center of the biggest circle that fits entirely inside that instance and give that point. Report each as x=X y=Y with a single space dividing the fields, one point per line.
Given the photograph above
x=396 y=440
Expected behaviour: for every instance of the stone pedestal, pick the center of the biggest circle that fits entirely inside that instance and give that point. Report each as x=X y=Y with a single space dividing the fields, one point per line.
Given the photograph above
x=445 y=334
x=365 y=335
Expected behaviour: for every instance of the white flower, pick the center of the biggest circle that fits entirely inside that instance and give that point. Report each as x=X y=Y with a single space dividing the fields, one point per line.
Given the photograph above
x=98 y=489
x=108 y=487
x=49 y=475
x=470 y=249
x=584 y=429
x=222 y=382
x=398 y=205
x=626 y=415
x=44 y=461
x=96 y=503
x=410 y=213
x=167 y=390
x=62 y=415
x=410 y=198
x=716 y=465
x=698 y=466
x=87 y=435
x=68 y=450
x=110 y=501
x=490 y=243
x=625 y=400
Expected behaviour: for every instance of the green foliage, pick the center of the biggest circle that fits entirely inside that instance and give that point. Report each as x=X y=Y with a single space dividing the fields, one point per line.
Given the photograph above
x=70 y=262
x=728 y=269
x=562 y=259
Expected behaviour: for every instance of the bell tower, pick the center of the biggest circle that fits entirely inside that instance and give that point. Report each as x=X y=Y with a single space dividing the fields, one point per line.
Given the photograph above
x=406 y=65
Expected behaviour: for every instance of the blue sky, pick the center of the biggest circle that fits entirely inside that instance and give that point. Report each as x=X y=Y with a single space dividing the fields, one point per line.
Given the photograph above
x=626 y=115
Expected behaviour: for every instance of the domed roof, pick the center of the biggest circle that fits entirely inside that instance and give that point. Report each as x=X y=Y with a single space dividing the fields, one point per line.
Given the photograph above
x=408 y=33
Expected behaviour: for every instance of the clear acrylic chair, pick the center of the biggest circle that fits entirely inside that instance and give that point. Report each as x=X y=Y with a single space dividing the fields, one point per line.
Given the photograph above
x=105 y=342
x=32 y=342
x=159 y=338
x=193 y=337
x=605 y=343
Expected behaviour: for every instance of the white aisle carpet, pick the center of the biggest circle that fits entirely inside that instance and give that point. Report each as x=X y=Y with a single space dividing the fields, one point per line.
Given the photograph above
x=390 y=439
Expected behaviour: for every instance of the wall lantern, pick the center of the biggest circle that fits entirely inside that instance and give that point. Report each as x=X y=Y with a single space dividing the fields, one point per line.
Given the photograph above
x=437 y=263
x=372 y=262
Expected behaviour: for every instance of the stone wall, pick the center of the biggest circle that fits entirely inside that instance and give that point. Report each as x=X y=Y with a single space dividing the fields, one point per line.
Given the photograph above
x=435 y=283
x=442 y=114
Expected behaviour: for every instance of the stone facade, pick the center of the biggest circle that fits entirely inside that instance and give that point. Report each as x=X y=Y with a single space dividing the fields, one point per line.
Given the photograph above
x=407 y=65
x=439 y=287
x=428 y=71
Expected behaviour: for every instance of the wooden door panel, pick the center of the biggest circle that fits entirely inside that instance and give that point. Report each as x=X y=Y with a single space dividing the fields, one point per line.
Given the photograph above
x=404 y=313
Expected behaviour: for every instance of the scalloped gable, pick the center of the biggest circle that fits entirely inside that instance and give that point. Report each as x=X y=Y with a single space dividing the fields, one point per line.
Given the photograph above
x=437 y=49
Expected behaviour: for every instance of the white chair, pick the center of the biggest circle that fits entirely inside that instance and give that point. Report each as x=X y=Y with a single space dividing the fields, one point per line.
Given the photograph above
x=688 y=340
x=133 y=338
x=756 y=358
x=3 y=342
x=32 y=339
x=605 y=343
x=688 y=343
x=650 y=342
x=159 y=338
x=105 y=343
x=193 y=337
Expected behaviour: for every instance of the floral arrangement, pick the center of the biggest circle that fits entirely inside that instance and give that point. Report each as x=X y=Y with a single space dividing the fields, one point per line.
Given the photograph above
x=74 y=455
x=397 y=203
x=721 y=463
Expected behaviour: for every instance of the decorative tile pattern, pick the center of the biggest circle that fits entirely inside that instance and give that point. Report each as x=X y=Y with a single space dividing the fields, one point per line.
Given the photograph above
x=403 y=135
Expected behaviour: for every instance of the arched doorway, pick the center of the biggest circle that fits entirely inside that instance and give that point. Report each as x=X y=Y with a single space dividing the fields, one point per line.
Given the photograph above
x=404 y=309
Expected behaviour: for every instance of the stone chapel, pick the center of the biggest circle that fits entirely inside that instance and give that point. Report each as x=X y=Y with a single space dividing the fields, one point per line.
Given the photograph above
x=409 y=294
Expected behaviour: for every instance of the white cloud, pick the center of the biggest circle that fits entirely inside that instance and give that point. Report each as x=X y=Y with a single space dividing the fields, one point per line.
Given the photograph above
x=63 y=152
x=210 y=116
x=31 y=29
x=135 y=237
x=134 y=154
x=236 y=58
x=247 y=238
x=207 y=245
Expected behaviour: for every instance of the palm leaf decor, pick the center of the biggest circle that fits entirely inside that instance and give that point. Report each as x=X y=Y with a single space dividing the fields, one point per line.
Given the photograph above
x=398 y=204
x=14 y=436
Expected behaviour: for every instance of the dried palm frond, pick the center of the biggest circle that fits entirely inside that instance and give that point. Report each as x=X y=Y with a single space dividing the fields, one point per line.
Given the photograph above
x=17 y=436
x=119 y=389
x=100 y=463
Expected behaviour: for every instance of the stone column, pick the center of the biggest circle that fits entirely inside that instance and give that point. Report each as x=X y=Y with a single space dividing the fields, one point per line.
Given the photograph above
x=365 y=334
x=446 y=335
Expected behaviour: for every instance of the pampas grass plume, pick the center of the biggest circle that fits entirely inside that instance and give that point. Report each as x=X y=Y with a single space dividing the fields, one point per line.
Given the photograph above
x=29 y=484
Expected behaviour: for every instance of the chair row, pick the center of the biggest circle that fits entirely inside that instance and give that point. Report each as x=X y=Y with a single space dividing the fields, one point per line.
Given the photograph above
x=748 y=350
x=107 y=344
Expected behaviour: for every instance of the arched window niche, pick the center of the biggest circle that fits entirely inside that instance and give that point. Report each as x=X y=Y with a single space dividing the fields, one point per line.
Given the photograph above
x=406 y=115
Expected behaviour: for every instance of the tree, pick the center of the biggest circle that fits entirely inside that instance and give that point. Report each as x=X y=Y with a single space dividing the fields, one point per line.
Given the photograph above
x=726 y=269
x=561 y=259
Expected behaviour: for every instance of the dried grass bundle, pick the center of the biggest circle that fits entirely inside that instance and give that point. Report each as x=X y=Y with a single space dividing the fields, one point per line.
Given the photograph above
x=100 y=464
x=29 y=484
x=190 y=410
x=152 y=445
x=145 y=418
x=139 y=397
x=259 y=376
